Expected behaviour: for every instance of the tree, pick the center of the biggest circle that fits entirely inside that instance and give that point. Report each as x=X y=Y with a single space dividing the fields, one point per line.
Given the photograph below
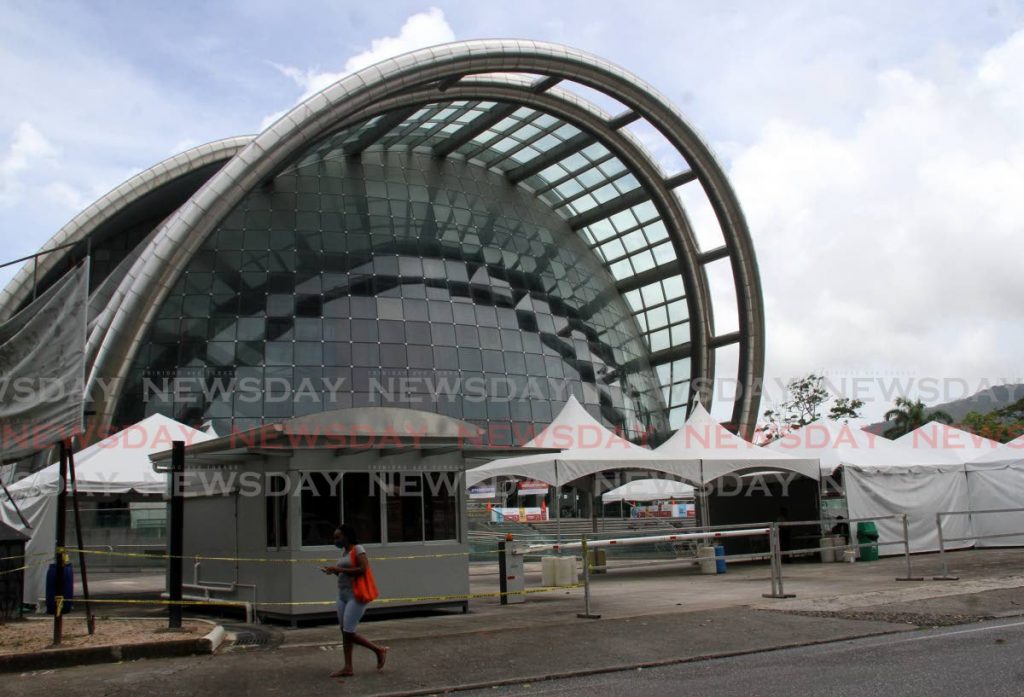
x=805 y=398
x=1001 y=425
x=908 y=416
x=845 y=408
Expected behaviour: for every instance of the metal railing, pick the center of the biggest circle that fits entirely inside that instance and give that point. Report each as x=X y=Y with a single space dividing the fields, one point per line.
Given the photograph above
x=945 y=575
x=853 y=547
x=709 y=534
x=706 y=535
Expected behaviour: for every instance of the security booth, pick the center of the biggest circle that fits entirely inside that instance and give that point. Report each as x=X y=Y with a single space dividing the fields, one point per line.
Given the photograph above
x=261 y=508
x=12 y=576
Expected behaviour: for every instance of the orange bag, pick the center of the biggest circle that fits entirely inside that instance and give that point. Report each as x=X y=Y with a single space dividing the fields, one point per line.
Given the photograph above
x=364 y=588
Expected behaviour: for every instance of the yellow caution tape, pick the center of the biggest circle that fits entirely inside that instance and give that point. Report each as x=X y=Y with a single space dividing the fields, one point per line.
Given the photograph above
x=318 y=560
x=25 y=567
x=279 y=603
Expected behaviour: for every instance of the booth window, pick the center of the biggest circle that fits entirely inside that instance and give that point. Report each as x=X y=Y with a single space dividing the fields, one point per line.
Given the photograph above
x=321 y=508
x=361 y=498
x=440 y=506
x=277 y=511
x=405 y=507
x=422 y=507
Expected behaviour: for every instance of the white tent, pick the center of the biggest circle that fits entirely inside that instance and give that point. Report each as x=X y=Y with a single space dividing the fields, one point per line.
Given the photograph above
x=996 y=481
x=953 y=442
x=118 y=464
x=649 y=490
x=721 y=452
x=882 y=478
x=587 y=448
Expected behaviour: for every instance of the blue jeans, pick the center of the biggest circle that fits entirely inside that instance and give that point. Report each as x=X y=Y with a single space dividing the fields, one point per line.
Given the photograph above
x=350 y=611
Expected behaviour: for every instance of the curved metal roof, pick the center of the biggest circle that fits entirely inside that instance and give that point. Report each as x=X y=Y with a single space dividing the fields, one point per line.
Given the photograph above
x=513 y=107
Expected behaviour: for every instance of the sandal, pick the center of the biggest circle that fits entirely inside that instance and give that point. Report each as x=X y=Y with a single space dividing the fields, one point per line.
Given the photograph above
x=343 y=673
x=382 y=657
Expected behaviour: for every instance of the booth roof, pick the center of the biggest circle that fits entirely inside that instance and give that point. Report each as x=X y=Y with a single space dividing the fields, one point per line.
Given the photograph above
x=117 y=464
x=954 y=442
x=844 y=445
x=359 y=429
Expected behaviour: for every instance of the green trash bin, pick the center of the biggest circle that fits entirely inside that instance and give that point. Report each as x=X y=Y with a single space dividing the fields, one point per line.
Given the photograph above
x=867 y=534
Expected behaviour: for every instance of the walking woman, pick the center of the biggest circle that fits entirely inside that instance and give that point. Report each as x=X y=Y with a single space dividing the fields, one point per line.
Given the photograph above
x=353 y=563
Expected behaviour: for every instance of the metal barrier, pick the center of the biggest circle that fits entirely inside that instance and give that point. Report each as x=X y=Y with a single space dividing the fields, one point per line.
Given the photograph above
x=512 y=574
x=945 y=576
x=852 y=547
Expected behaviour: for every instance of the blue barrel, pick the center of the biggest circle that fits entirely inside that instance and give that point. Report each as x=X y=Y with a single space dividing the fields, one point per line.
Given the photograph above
x=719 y=559
x=69 y=589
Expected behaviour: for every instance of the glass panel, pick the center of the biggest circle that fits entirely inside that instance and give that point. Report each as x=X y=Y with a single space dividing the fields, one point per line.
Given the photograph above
x=440 y=503
x=405 y=507
x=362 y=501
x=320 y=505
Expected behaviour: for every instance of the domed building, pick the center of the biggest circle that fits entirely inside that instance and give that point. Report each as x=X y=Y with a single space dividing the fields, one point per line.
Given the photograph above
x=474 y=229
x=460 y=239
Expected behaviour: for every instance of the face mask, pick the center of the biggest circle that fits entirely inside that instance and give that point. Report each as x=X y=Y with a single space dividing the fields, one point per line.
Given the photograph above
x=339 y=545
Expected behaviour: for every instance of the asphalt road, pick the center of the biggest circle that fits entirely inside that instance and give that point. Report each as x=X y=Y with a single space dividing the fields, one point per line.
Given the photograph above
x=980 y=660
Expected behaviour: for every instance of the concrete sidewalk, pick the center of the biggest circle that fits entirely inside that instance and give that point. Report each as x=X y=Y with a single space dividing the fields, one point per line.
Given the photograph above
x=650 y=617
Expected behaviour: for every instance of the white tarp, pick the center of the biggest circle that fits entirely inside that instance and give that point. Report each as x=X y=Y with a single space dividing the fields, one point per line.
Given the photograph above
x=116 y=465
x=588 y=448
x=996 y=481
x=883 y=478
x=649 y=490
x=42 y=369
x=721 y=452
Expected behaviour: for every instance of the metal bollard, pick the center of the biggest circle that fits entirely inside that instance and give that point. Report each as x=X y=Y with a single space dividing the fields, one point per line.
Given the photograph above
x=942 y=554
x=511 y=574
x=586 y=614
x=775 y=551
x=906 y=552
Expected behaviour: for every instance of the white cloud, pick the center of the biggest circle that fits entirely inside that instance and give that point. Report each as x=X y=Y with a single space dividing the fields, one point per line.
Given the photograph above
x=896 y=242
x=420 y=30
x=28 y=149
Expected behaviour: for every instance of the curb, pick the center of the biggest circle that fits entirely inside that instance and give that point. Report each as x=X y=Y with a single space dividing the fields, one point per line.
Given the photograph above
x=507 y=682
x=92 y=655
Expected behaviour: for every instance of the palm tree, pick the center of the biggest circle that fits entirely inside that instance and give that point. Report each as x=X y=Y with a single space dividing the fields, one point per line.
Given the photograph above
x=908 y=416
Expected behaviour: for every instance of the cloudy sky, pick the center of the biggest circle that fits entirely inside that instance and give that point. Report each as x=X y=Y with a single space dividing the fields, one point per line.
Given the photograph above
x=877 y=147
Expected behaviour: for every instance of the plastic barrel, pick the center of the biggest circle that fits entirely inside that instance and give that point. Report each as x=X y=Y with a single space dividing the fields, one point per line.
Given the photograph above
x=827 y=555
x=720 y=559
x=68 y=591
x=549 y=571
x=839 y=542
x=566 y=574
x=708 y=563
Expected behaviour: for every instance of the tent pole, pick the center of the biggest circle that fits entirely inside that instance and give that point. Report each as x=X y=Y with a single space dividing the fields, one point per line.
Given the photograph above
x=593 y=503
x=705 y=519
x=558 y=504
x=90 y=618
x=58 y=561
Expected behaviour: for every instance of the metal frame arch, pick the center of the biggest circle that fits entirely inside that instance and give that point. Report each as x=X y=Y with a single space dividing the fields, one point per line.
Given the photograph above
x=571 y=109
x=442 y=66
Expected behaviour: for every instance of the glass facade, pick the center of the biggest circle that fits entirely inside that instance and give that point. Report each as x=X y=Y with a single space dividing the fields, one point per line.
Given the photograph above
x=394 y=278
